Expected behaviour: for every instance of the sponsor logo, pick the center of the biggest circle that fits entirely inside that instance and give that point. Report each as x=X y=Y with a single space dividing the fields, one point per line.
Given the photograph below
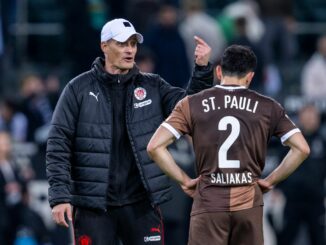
x=156 y=229
x=140 y=93
x=92 y=94
x=143 y=103
x=152 y=238
x=126 y=24
x=84 y=240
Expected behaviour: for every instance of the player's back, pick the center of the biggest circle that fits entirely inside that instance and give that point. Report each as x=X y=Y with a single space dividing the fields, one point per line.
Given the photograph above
x=231 y=127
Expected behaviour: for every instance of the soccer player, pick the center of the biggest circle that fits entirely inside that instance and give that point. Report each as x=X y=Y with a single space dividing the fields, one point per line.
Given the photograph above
x=231 y=126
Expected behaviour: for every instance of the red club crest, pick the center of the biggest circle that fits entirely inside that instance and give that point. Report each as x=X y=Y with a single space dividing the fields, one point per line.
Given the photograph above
x=140 y=93
x=84 y=240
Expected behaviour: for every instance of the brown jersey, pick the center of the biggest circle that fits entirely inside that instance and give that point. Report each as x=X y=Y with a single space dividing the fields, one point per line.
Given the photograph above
x=231 y=127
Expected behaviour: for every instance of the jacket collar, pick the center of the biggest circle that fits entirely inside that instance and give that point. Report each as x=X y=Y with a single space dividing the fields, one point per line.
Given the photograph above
x=102 y=75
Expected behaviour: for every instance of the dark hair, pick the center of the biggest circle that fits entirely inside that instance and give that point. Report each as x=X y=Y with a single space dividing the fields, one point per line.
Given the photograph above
x=238 y=60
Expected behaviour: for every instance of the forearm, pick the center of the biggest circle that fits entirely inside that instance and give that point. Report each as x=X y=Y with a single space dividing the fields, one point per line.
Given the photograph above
x=165 y=161
x=289 y=164
x=58 y=165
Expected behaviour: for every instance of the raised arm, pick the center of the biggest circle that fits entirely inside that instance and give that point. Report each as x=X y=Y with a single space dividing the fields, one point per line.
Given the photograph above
x=299 y=151
x=202 y=75
x=202 y=78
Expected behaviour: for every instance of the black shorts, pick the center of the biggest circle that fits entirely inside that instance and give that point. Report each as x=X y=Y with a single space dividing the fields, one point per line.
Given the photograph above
x=134 y=224
x=227 y=228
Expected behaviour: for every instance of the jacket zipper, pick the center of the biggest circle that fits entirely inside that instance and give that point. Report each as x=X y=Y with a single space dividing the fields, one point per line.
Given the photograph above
x=138 y=164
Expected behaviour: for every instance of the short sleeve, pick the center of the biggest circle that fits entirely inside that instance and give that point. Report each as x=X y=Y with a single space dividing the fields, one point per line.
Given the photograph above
x=179 y=122
x=284 y=128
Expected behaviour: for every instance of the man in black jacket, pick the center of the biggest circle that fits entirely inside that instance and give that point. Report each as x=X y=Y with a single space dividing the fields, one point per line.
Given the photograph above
x=96 y=151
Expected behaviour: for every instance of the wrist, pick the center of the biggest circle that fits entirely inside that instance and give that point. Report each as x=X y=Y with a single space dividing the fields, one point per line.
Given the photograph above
x=269 y=180
x=185 y=181
x=202 y=66
x=270 y=184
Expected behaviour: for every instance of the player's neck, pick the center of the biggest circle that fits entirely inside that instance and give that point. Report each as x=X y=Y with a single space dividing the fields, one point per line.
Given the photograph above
x=226 y=80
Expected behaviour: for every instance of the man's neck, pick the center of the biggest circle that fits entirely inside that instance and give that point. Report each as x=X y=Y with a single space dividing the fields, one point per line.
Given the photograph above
x=114 y=70
x=234 y=81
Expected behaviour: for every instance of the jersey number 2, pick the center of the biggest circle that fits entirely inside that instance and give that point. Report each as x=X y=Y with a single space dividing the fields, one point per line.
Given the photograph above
x=223 y=162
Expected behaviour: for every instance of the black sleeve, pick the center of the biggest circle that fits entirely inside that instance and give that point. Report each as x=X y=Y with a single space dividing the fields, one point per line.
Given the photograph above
x=59 y=147
x=170 y=96
x=202 y=78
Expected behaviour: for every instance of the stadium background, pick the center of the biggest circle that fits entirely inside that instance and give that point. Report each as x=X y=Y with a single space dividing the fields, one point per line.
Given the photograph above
x=45 y=43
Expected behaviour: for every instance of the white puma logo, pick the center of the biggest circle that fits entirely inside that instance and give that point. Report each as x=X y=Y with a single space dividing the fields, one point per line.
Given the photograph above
x=92 y=94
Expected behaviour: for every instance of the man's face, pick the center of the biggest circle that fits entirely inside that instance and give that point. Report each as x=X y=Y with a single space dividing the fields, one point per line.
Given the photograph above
x=120 y=56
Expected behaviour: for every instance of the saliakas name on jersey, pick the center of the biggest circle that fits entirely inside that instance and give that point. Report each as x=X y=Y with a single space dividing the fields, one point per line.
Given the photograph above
x=230 y=102
x=231 y=178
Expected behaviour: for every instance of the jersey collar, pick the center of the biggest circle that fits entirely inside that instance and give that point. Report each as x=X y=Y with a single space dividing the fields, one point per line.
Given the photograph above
x=229 y=87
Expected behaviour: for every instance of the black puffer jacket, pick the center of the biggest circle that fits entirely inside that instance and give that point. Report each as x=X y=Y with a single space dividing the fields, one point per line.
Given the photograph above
x=80 y=138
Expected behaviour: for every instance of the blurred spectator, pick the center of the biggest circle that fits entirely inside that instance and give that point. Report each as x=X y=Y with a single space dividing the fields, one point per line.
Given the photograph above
x=12 y=120
x=166 y=42
x=305 y=189
x=10 y=192
x=36 y=106
x=18 y=223
x=52 y=87
x=31 y=229
x=265 y=35
x=279 y=44
x=313 y=82
x=241 y=38
x=249 y=10
x=198 y=22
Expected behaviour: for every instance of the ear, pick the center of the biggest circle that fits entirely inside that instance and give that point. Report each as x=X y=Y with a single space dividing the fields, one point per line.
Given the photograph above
x=249 y=77
x=218 y=71
x=104 y=46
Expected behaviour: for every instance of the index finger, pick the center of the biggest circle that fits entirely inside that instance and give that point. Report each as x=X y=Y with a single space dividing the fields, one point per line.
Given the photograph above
x=200 y=41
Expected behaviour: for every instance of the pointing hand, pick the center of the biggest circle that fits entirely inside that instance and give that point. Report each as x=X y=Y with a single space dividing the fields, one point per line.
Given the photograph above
x=202 y=52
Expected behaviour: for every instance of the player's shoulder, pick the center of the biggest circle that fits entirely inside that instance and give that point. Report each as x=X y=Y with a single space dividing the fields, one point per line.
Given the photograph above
x=264 y=98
